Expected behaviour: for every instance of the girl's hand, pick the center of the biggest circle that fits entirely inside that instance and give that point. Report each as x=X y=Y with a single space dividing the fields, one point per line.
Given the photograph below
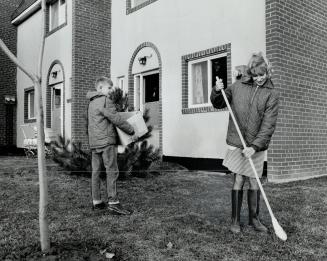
x=248 y=152
x=219 y=84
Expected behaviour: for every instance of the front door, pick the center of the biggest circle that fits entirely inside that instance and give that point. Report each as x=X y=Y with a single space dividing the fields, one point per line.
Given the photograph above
x=147 y=97
x=151 y=98
x=57 y=110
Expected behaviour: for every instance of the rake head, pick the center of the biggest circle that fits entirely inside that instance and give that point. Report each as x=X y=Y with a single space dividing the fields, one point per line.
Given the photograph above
x=279 y=231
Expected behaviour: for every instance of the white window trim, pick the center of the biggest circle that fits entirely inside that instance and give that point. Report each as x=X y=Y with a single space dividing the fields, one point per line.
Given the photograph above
x=60 y=11
x=208 y=59
x=50 y=17
x=29 y=105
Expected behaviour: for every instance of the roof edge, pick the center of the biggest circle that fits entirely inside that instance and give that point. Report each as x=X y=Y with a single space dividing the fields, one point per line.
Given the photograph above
x=24 y=11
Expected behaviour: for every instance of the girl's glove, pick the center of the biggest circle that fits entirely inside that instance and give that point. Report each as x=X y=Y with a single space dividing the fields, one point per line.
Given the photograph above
x=219 y=84
x=248 y=152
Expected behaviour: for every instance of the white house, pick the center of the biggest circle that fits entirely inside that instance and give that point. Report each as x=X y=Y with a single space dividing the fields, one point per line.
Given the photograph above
x=167 y=54
x=56 y=71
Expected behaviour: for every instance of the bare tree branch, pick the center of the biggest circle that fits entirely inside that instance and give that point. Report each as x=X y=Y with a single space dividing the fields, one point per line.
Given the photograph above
x=14 y=59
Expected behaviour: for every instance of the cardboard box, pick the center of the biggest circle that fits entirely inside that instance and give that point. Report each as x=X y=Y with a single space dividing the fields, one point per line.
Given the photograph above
x=137 y=121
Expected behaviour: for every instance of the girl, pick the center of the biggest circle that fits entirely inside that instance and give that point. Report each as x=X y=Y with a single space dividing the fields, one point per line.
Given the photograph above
x=254 y=102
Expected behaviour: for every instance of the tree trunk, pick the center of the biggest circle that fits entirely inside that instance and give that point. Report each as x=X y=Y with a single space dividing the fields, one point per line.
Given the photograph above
x=43 y=182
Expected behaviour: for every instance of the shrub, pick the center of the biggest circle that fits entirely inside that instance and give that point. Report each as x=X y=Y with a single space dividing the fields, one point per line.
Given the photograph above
x=135 y=161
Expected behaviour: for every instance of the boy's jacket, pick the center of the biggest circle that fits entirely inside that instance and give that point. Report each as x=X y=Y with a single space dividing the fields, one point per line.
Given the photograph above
x=102 y=119
x=255 y=109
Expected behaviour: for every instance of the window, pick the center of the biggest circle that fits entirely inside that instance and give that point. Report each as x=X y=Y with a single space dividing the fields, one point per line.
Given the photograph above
x=57 y=14
x=121 y=83
x=199 y=72
x=31 y=104
x=202 y=77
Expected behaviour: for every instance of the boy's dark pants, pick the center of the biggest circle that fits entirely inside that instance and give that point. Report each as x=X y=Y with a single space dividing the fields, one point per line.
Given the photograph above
x=107 y=155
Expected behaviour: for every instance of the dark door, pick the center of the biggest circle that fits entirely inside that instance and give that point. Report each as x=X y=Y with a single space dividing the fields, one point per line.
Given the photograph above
x=9 y=124
x=151 y=98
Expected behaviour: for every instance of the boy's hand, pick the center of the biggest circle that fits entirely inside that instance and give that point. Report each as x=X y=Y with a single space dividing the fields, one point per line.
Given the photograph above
x=219 y=84
x=248 y=152
x=134 y=138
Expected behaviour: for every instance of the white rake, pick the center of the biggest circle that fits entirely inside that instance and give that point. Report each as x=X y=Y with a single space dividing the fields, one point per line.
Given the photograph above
x=279 y=231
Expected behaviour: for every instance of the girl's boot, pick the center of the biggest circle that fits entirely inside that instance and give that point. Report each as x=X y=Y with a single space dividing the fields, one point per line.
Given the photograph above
x=237 y=198
x=254 y=206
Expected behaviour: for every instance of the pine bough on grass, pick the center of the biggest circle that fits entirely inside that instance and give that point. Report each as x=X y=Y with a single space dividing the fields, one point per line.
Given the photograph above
x=135 y=161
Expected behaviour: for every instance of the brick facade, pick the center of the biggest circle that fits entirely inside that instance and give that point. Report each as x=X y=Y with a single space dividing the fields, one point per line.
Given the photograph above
x=91 y=56
x=8 y=34
x=296 y=37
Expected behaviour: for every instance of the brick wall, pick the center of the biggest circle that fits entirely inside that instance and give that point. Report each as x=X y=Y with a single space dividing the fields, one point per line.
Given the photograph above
x=7 y=72
x=91 y=56
x=297 y=47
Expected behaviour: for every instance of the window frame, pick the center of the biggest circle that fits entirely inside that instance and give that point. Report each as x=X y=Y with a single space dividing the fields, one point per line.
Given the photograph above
x=51 y=29
x=196 y=57
x=139 y=97
x=121 y=83
x=208 y=60
x=29 y=105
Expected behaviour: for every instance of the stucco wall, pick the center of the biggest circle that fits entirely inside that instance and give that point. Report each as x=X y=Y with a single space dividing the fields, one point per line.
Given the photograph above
x=58 y=46
x=178 y=28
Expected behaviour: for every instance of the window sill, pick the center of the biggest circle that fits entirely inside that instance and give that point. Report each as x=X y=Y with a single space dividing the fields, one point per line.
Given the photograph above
x=131 y=9
x=29 y=120
x=56 y=29
x=203 y=109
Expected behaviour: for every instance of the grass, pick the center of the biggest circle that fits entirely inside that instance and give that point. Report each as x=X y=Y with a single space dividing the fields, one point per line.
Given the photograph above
x=190 y=210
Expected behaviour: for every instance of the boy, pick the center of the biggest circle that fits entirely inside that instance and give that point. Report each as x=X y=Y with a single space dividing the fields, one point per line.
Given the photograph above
x=102 y=119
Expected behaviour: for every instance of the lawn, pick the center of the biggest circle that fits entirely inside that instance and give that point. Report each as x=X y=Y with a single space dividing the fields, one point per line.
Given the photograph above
x=178 y=215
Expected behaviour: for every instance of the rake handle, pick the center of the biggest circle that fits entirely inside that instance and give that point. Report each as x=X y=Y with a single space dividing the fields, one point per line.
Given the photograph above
x=250 y=159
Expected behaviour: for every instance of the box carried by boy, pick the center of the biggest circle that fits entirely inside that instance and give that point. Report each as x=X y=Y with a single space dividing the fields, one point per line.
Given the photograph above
x=136 y=120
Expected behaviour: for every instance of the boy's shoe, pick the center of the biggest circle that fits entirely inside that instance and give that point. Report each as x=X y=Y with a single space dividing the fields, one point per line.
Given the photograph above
x=117 y=209
x=99 y=206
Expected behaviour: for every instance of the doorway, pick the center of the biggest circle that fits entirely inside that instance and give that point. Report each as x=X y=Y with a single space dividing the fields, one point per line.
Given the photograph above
x=146 y=89
x=57 y=109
